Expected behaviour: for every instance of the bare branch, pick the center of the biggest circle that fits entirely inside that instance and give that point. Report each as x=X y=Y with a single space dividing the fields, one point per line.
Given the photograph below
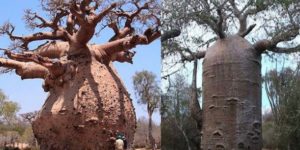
x=121 y=33
x=30 y=17
x=58 y=17
x=287 y=34
x=220 y=30
x=258 y=8
x=84 y=4
x=115 y=28
x=250 y=28
x=70 y=24
x=56 y=35
x=99 y=17
x=127 y=43
x=139 y=9
x=8 y=29
x=77 y=13
x=246 y=11
x=286 y=50
x=236 y=11
x=170 y=34
x=207 y=19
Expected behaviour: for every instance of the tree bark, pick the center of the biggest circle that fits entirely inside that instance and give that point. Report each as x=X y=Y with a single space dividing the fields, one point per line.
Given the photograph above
x=87 y=110
x=232 y=96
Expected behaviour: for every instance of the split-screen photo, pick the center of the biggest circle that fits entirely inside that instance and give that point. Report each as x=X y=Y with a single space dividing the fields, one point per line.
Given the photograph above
x=150 y=75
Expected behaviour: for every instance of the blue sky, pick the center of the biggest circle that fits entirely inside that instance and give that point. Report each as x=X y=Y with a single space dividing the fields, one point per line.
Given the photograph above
x=29 y=93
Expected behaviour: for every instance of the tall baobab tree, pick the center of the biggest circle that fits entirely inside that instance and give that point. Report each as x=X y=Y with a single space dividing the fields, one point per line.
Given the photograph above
x=148 y=91
x=87 y=102
x=231 y=78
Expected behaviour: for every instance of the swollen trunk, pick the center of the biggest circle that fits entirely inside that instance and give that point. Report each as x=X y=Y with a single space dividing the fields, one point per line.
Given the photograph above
x=86 y=111
x=231 y=96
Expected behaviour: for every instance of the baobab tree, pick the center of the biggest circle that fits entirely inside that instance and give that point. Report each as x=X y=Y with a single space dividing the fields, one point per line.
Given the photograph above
x=231 y=78
x=148 y=92
x=87 y=103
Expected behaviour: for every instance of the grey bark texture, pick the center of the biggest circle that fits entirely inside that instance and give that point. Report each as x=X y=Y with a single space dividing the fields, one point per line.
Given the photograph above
x=232 y=96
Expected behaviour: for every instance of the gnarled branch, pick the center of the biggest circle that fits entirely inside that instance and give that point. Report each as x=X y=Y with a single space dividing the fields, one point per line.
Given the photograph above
x=242 y=14
x=27 y=70
x=99 y=17
x=55 y=35
x=286 y=50
x=127 y=29
x=289 y=33
x=127 y=43
x=55 y=68
x=54 y=24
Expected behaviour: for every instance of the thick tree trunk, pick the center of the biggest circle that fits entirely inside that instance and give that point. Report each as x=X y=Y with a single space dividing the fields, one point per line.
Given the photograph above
x=86 y=111
x=232 y=96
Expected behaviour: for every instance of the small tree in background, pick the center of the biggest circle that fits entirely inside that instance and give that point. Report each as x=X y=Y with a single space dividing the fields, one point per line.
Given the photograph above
x=8 y=109
x=148 y=92
x=28 y=135
x=29 y=117
x=10 y=127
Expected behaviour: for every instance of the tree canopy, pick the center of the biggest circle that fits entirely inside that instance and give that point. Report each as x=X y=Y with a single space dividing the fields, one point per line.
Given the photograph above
x=68 y=26
x=274 y=25
x=8 y=109
x=147 y=89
